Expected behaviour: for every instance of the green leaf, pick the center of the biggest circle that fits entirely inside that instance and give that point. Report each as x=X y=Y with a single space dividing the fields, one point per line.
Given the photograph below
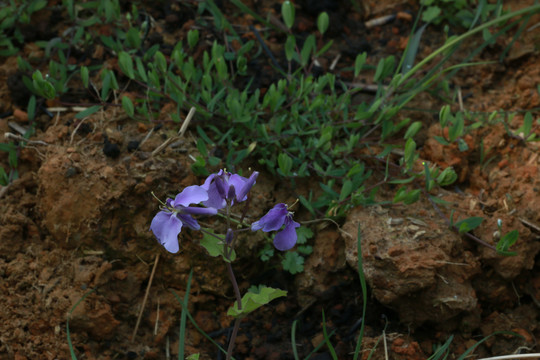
x=199 y=167
x=305 y=249
x=447 y=177
x=84 y=76
x=285 y=164
x=359 y=63
x=88 y=112
x=346 y=190
x=407 y=197
x=4 y=179
x=266 y=253
x=462 y=145
x=307 y=204
x=410 y=153
x=126 y=64
x=506 y=241
x=468 y=224
x=431 y=13
x=287 y=11
x=456 y=130
x=413 y=130
x=412 y=50
x=526 y=128
x=31 y=109
x=303 y=233
x=42 y=86
x=322 y=22
x=193 y=38
x=127 y=104
x=293 y=262
x=215 y=246
x=252 y=301
x=140 y=69
x=160 y=61
x=441 y=140
x=133 y=38
x=307 y=49
x=290 y=47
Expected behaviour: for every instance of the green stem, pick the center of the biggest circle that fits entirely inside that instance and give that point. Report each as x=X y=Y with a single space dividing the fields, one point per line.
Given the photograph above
x=232 y=340
x=449 y=44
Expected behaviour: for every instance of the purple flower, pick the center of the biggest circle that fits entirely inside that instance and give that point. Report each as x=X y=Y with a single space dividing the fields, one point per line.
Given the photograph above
x=167 y=224
x=225 y=186
x=278 y=216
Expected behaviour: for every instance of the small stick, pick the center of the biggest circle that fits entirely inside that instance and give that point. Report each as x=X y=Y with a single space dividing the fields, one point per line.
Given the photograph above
x=9 y=135
x=334 y=62
x=181 y=132
x=460 y=99
x=385 y=345
x=157 y=318
x=18 y=128
x=379 y=21
x=145 y=298
x=513 y=356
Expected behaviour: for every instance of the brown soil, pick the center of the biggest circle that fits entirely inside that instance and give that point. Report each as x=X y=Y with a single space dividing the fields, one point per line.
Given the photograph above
x=77 y=219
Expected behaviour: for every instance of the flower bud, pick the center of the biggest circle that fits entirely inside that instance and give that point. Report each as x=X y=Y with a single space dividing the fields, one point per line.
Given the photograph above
x=230 y=236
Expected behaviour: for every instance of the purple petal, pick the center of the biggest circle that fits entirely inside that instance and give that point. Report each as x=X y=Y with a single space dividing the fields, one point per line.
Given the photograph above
x=286 y=239
x=166 y=227
x=208 y=181
x=189 y=221
x=215 y=200
x=199 y=211
x=222 y=186
x=191 y=195
x=273 y=220
x=243 y=189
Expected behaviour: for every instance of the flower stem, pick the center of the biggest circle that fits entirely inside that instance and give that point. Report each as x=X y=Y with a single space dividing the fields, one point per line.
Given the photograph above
x=232 y=339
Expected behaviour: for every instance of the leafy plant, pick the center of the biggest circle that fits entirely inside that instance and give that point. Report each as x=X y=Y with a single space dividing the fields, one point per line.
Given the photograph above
x=13 y=15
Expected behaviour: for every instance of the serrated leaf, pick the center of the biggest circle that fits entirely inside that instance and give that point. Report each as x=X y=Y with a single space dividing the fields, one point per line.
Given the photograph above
x=293 y=262
x=302 y=234
x=431 y=13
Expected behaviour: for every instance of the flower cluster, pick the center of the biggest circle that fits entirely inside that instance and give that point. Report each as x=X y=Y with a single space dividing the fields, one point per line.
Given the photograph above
x=219 y=190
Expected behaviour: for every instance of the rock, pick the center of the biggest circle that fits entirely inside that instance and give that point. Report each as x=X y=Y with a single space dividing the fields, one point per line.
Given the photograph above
x=410 y=267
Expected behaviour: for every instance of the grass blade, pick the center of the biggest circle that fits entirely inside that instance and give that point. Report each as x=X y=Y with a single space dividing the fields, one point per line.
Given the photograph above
x=203 y=333
x=183 y=316
x=364 y=293
x=70 y=345
x=327 y=339
x=293 y=340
